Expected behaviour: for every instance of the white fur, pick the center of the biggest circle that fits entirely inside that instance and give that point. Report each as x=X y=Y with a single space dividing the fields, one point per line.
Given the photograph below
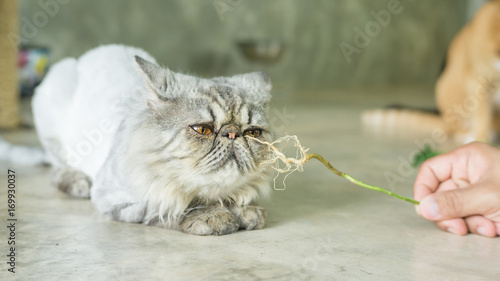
x=497 y=65
x=77 y=97
x=70 y=107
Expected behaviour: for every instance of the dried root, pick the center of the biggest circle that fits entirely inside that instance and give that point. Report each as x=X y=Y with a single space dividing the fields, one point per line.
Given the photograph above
x=280 y=162
x=287 y=165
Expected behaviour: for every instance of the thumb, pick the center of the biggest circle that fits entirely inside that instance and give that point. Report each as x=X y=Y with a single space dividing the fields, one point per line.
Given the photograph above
x=457 y=203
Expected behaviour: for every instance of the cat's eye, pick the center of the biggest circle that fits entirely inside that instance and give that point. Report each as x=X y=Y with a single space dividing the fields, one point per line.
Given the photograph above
x=202 y=129
x=255 y=133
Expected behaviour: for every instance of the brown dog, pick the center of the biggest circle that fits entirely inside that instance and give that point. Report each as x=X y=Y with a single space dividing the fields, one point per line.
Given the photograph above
x=467 y=93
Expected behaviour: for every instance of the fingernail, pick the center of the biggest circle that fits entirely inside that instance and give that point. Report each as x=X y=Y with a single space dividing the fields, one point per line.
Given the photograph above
x=462 y=182
x=482 y=231
x=429 y=206
x=452 y=230
x=417 y=209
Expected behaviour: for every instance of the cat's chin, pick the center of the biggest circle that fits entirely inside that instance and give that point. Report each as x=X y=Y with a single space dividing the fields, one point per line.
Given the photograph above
x=227 y=176
x=221 y=183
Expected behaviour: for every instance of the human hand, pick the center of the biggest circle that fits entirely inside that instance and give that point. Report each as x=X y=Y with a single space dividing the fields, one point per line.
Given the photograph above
x=460 y=190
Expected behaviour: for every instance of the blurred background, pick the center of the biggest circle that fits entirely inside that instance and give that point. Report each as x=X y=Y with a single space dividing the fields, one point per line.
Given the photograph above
x=317 y=48
x=329 y=61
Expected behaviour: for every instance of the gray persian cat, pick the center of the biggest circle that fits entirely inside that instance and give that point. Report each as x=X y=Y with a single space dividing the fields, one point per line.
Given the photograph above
x=152 y=146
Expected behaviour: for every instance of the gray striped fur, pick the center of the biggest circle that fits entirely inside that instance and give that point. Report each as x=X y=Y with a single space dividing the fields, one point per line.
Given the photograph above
x=167 y=174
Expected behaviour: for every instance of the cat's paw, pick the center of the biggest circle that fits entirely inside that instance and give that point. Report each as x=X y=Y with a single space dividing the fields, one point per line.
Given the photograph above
x=80 y=188
x=73 y=182
x=250 y=217
x=210 y=221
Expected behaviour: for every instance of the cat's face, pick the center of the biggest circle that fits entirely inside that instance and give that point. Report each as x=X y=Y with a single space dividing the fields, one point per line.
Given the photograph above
x=203 y=126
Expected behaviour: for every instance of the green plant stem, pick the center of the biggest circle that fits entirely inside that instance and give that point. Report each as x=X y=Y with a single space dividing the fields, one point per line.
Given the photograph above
x=355 y=181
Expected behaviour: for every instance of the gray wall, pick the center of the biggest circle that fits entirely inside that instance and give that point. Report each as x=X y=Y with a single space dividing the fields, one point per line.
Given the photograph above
x=194 y=36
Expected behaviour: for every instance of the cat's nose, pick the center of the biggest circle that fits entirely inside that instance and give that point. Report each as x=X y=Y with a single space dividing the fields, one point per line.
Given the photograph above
x=230 y=132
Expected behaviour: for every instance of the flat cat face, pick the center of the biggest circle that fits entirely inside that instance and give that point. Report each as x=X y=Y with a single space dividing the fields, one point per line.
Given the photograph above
x=198 y=128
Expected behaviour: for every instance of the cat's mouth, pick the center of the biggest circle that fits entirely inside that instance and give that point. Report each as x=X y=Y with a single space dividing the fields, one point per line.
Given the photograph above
x=234 y=159
x=230 y=158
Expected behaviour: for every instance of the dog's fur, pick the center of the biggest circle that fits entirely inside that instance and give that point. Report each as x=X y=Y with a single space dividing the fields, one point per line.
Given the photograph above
x=468 y=91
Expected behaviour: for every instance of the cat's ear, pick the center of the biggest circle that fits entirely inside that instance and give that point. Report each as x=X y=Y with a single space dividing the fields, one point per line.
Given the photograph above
x=258 y=82
x=159 y=80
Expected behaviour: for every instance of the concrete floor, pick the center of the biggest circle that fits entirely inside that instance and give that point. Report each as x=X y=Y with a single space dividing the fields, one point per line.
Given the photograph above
x=320 y=228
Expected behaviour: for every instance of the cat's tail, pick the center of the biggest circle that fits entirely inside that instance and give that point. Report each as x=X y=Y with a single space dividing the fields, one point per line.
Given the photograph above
x=401 y=123
x=20 y=154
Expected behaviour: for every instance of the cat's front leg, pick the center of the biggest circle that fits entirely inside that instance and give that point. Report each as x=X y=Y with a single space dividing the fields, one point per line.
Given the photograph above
x=479 y=105
x=71 y=181
x=250 y=217
x=210 y=220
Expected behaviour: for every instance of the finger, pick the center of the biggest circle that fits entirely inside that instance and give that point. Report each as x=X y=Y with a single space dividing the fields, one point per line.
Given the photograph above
x=481 y=225
x=455 y=226
x=431 y=174
x=452 y=165
x=458 y=203
x=444 y=186
x=497 y=225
